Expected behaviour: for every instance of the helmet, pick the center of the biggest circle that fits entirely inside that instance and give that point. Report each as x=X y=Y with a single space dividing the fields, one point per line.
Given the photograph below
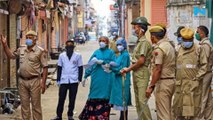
x=121 y=41
x=140 y=21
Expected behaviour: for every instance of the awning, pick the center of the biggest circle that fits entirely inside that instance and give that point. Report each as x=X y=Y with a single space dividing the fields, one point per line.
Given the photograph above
x=4 y=12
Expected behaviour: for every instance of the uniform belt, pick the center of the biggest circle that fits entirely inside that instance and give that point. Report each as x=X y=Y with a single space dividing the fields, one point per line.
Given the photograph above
x=167 y=78
x=28 y=78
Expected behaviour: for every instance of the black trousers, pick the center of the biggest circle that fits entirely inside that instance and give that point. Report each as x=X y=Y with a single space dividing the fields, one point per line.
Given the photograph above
x=73 y=88
x=122 y=115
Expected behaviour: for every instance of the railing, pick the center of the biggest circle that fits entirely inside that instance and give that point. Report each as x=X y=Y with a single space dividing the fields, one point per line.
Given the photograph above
x=185 y=2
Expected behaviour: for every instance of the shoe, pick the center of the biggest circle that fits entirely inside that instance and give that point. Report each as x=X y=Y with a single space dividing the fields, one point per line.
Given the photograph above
x=70 y=118
x=57 y=118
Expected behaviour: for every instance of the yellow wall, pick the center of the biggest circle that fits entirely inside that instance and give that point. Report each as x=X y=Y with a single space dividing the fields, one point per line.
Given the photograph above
x=147 y=10
x=147 y=13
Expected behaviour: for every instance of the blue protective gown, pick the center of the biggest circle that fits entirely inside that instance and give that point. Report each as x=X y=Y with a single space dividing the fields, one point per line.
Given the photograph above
x=116 y=98
x=100 y=87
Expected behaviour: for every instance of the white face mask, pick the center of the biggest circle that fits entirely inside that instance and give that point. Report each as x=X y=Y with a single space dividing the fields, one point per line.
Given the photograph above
x=102 y=44
x=120 y=48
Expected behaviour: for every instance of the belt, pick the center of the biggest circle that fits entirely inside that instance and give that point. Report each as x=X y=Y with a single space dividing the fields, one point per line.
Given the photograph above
x=171 y=78
x=28 y=78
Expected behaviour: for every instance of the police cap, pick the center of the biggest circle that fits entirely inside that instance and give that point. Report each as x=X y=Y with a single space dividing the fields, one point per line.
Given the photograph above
x=187 y=33
x=31 y=32
x=155 y=29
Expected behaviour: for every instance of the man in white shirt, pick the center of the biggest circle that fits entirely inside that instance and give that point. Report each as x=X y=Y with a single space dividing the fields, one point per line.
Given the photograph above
x=69 y=74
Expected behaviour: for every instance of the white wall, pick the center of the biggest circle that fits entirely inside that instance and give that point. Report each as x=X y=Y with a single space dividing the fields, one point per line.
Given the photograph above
x=183 y=16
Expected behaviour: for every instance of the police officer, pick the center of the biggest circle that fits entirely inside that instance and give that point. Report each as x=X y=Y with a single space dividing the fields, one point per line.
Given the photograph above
x=179 y=38
x=141 y=58
x=112 y=44
x=32 y=59
x=191 y=67
x=69 y=74
x=163 y=74
x=207 y=103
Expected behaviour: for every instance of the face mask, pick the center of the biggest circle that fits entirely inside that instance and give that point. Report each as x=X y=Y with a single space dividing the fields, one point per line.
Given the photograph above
x=134 y=33
x=187 y=44
x=180 y=40
x=120 y=48
x=70 y=48
x=197 y=36
x=102 y=44
x=29 y=42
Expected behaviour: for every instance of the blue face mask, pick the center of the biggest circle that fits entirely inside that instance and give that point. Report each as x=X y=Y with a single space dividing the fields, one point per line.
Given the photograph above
x=187 y=44
x=29 y=42
x=120 y=48
x=180 y=40
x=102 y=44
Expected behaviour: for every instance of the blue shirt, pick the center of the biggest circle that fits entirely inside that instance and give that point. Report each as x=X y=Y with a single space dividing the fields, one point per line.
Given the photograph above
x=123 y=61
x=70 y=71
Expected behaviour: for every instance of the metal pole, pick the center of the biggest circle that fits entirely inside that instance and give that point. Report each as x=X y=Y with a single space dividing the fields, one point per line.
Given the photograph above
x=122 y=18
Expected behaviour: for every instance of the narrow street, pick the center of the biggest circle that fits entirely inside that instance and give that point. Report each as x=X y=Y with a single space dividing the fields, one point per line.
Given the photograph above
x=50 y=98
x=147 y=27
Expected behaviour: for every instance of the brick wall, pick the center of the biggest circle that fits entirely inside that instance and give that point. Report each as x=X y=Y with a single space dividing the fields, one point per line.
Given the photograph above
x=158 y=11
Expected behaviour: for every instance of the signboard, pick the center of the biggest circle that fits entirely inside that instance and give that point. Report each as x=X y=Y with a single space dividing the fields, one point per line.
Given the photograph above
x=199 y=12
x=112 y=7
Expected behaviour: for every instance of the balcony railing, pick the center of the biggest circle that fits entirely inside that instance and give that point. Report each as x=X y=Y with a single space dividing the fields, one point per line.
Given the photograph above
x=185 y=2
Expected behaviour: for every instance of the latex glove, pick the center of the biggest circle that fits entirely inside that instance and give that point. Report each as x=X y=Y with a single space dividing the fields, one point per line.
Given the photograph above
x=99 y=62
x=114 y=64
x=83 y=82
x=58 y=83
x=106 y=68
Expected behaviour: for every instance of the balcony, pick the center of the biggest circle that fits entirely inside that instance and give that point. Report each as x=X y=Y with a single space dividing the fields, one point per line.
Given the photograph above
x=184 y=2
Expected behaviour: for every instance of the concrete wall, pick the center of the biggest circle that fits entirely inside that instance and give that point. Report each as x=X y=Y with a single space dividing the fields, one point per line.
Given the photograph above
x=147 y=9
x=183 y=16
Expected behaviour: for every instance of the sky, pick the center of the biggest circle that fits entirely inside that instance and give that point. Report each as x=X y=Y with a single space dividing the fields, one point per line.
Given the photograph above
x=102 y=6
x=102 y=9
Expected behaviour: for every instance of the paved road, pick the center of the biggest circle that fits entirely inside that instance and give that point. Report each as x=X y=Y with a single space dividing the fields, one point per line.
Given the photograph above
x=50 y=98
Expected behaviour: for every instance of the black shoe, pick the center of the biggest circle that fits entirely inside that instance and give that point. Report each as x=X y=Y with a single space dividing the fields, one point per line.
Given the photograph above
x=70 y=118
x=57 y=118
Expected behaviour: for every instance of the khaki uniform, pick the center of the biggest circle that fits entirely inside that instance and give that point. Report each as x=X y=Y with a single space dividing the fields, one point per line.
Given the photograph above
x=141 y=77
x=113 y=46
x=191 y=67
x=164 y=54
x=31 y=63
x=207 y=102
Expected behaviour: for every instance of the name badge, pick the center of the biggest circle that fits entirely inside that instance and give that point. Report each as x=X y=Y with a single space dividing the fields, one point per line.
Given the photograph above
x=190 y=66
